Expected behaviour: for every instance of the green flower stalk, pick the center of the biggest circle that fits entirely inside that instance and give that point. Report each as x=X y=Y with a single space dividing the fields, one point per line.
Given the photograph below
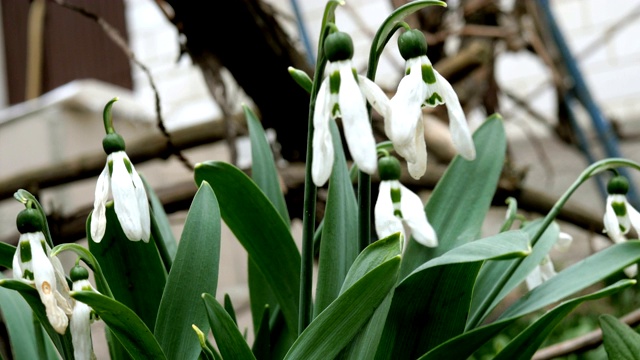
x=120 y=178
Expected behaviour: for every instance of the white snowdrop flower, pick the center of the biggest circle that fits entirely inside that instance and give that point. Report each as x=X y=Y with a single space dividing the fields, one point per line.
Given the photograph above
x=545 y=270
x=80 y=323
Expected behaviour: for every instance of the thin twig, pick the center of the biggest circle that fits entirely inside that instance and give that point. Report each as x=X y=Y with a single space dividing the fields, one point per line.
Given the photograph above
x=113 y=34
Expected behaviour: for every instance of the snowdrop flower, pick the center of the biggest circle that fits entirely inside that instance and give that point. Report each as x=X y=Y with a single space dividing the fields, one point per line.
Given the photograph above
x=619 y=215
x=545 y=270
x=31 y=262
x=342 y=94
x=80 y=323
x=422 y=85
x=129 y=197
x=398 y=206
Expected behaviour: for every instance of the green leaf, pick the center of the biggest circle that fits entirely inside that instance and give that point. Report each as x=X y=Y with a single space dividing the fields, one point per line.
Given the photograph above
x=230 y=342
x=502 y=277
x=528 y=341
x=88 y=258
x=262 y=345
x=160 y=227
x=6 y=255
x=228 y=307
x=18 y=320
x=133 y=269
x=31 y=296
x=456 y=210
x=620 y=341
x=334 y=328
x=194 y=271
x=263 y=167
x=464 y=345
x=339 y=242
x=260 y=229
x=130 y=330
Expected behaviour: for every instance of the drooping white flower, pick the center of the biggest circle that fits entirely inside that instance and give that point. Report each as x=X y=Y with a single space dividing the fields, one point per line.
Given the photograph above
x=129 y=199
x=32 y=263
x=344 y=94
x=620 y=216
x=423 y=86
x=80 y=323
x=545 y=270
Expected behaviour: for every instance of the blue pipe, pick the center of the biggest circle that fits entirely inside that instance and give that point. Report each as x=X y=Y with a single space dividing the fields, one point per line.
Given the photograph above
x=580 y=90
x=303 y=33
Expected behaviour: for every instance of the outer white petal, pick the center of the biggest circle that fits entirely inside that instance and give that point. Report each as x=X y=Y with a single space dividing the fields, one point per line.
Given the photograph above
x=534 y=278
x=546 y=269
x=634 y=217
x=611 y=224
x=17 y=262
x=99 y=216
x=631 y=270
x=45 y=281
x=376 y=97
x=63 y=299
x=355 y=120
x=124 y=198
x=322 y=160
x=418 y=167
x=80 y=326
x=143 y=205
x=406 y=111
x=460 y=133
x=386 y=222
x=564 y=241
x=415 y=217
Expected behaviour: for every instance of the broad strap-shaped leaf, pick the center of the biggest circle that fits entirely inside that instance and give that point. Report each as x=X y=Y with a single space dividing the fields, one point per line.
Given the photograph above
x=194 y=271
x=31 y=296
x=230 y=342
x=464 y=345
x=339 y=242
x=6 y=255
x=620 y=341
x=456 y=210
x=334 y=328
x=528 y=341
x=502 y=277
x=130 y=330
x=18 y=320
x=260 y=229
x=160 y=227
x=262 y=345
x=134 y=269
x=371 y=257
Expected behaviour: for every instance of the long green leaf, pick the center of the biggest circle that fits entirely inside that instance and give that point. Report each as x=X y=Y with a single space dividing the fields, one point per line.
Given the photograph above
x=134 y=269
x=160 y=226
x=464 y=345
x=371 y=257
x=18 y=320
x=528 y=341
x=620 y=341
x=130 y=330
x=339 y=242
x=260 y=229
x=6 y=255
x=31 y=296
x=456 y=210
x=334 y=328
x=498 y=276
x=194 y=271
x=230 y=342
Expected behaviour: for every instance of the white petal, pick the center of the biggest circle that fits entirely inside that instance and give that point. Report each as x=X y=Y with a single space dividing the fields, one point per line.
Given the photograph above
x=634 y=217
x=376 y=97
x=386 y=222
x=143 y=205
x=460 y=134
x=80 y=326
x=415 y=217
x=406 y=112
x=418 y=167
x=564 y=241
x=322 y=158
x=99 y=216
x=17 y=262
x=124 y=198
x=534 y=279
x=355 y=120
x=631 y=270
x=45 y=282
x=611 y=224
x=546 y=269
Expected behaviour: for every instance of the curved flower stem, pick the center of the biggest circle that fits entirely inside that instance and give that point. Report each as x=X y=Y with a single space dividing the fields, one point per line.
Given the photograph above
x=592 y=170
x=107 y=118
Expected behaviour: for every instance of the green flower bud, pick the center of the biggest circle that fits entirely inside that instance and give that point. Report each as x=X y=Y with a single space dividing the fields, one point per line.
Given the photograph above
x=412 y=44
x=618 y=185
x=389 y=168
x=338 y=46
x=112 y=143
x=78 y=273
x=29 y=221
